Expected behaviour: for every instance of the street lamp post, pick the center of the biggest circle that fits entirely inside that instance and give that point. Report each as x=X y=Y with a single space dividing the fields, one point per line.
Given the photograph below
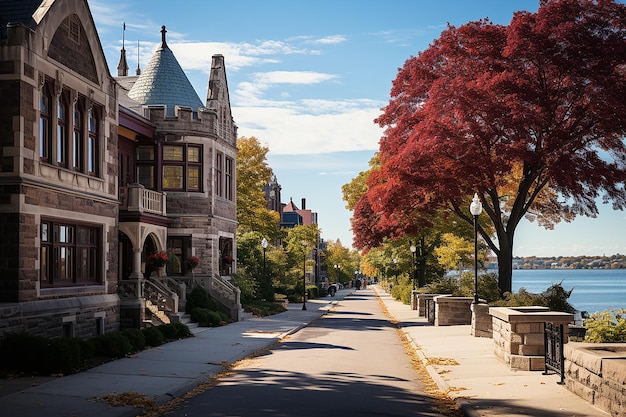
x=414 y=255
x=305 y=244
x=337 y=268
x=476 y=208
x=265 y=280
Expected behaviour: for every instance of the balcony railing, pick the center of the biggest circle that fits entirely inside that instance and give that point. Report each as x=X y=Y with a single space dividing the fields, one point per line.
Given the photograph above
x=137 y=198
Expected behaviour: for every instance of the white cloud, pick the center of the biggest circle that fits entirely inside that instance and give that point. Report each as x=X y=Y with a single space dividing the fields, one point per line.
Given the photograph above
x=328 y=40
x=290 y=131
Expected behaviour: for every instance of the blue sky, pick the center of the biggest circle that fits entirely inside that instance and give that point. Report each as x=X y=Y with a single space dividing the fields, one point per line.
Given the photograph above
x=308 y=78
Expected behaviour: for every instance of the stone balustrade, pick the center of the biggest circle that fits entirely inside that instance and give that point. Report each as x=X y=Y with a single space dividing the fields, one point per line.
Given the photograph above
x=518 y=334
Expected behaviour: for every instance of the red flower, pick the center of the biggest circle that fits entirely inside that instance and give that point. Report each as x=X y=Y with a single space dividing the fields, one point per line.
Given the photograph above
x=192 y=262
x=158 y=259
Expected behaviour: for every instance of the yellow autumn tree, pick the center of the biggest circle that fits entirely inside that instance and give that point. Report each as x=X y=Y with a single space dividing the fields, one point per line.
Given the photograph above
x=253 y=173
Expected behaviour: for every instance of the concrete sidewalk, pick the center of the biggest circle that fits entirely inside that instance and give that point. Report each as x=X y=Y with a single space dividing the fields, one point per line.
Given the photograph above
x=466 y=368
x=161 y=373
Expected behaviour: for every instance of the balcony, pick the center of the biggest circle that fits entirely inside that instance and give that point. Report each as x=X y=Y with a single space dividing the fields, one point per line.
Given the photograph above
x=136 y=198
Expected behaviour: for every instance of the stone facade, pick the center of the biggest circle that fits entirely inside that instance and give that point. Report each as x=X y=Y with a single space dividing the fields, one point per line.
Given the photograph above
x=49 y=178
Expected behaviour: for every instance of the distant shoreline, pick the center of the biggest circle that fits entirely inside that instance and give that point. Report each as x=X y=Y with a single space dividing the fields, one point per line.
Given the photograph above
x=570 y=262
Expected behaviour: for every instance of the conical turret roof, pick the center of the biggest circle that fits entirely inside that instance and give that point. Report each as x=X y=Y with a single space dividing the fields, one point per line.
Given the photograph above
x=163 y=82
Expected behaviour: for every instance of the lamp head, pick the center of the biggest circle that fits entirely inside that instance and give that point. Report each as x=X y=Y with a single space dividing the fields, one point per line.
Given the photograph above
x=264 y=243
x=476 y=207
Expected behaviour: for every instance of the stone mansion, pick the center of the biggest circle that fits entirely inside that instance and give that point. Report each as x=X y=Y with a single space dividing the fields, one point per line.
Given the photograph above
x=98 y=172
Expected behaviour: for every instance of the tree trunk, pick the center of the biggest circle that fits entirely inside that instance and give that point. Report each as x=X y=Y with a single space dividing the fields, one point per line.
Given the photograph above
x=505 y=267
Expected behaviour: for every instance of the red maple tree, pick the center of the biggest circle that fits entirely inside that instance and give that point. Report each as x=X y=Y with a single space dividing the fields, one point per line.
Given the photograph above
x=530 y=115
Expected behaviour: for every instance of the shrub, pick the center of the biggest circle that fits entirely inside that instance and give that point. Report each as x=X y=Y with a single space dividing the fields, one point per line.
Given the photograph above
x=487 y=286
x=555 y=298
x=200 y=315
x=182 y=330
x=64 y=356
x=519 y=299
x=199 y=297
x=312 y=292
x=23 y=352
x=169 y=331
x=264 y=308
x=112 y=345
x=214 y=318
x=153 y=336
x=446 y=285
x=136 y=338
x=608 y=326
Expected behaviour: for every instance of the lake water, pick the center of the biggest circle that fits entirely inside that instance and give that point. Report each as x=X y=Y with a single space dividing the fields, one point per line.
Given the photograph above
x=593 y=289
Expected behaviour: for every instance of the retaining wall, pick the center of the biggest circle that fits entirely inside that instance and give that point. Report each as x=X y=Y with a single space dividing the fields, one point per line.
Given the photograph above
x=596 y=372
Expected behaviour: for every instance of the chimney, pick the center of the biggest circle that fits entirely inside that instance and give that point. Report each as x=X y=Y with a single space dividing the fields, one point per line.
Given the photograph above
x=304 y=204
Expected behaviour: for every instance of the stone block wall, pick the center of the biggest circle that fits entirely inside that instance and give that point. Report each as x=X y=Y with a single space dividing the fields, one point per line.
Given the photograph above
x=481 y=321
x=452 y=311
x=518 y=335
x=596 y=372
x=48 y=318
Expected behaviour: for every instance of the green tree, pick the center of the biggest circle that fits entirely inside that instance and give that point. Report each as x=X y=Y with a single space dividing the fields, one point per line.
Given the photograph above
x=299 y=244
x=345 y=259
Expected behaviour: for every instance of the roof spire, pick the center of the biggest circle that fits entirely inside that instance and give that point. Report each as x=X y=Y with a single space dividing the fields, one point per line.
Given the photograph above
x=163 y=32
x=138 y=67
x=122 y=66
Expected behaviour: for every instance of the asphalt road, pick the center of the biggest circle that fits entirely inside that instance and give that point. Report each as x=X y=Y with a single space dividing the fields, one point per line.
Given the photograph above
x=350 y=362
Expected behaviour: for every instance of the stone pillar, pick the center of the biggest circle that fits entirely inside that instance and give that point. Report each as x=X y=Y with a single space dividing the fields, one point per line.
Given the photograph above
x=414 y=300
x=518 y=334
x=136 y=272
x=481 y=321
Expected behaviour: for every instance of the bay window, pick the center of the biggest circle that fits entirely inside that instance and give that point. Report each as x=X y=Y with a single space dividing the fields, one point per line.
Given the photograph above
x=182 y=167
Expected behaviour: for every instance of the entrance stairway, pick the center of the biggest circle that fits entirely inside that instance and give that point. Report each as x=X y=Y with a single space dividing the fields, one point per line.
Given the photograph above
x=165 y=297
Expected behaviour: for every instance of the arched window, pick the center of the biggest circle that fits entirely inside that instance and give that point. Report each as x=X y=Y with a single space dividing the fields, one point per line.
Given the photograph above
x=77 y=139
x=92 y=143
x=61 y=148
x=45 y=134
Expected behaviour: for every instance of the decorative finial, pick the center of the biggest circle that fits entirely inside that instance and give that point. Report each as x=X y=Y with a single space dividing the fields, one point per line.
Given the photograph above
x=163 y=32
x=138 y=67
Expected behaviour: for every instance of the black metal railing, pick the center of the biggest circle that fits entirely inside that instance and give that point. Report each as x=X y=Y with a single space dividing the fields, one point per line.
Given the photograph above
x=554 y=357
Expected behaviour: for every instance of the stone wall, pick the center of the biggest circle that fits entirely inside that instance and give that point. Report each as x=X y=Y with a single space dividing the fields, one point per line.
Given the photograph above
x=49 y=318
x=452 y=311
x=596 y=372
x=518 y=335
